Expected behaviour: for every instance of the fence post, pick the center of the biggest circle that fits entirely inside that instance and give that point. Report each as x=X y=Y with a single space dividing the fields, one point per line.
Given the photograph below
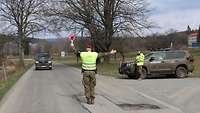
x=4 y=72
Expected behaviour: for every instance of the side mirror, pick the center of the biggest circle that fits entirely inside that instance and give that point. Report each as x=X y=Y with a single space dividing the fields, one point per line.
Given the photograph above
x=152 y=59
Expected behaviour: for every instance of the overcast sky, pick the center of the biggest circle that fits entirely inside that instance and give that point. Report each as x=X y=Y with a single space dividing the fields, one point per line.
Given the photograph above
x=169 y=14
x=175 y=14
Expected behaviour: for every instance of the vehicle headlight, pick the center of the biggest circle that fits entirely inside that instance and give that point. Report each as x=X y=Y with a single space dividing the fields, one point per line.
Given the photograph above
x=49 y=61
x=36 y=62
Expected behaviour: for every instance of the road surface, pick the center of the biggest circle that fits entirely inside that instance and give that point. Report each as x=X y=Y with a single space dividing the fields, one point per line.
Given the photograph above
x=60 y=91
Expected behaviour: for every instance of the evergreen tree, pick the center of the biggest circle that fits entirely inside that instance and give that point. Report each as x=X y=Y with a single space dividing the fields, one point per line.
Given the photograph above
x=188 y=29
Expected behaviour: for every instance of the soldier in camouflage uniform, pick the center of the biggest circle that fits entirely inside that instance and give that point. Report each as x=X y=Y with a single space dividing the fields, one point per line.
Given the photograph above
x=89 y=70
x=139 y=64
x=89 y=82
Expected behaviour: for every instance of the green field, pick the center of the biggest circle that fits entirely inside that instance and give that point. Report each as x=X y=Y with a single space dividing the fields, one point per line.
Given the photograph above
x=111 y=69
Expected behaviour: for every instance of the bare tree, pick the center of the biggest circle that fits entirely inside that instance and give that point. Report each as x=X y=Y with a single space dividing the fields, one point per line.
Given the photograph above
x=23 y=17
x=102 y=18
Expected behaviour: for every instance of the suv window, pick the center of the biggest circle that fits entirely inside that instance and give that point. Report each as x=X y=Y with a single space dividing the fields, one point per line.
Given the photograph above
x=175 y=55
x=157 y=56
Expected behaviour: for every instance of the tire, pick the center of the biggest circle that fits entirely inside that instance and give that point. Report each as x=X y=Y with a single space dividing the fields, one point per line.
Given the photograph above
x=36 y=68
x=181 y=72
x=50 y=68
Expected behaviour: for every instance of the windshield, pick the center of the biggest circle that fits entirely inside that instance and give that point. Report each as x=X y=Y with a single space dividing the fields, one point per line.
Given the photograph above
x=42 y=56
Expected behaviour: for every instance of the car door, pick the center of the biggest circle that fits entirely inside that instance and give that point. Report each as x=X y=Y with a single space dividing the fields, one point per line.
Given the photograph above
x=157 y=63
x=173 y=58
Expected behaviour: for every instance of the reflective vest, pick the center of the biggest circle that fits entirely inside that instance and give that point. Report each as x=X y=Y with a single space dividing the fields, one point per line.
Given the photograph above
x=89 y=60
x=140 y=59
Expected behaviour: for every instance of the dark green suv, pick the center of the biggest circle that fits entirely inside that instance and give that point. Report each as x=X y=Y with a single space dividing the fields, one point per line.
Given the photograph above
x=174 y=62
x=43 y=61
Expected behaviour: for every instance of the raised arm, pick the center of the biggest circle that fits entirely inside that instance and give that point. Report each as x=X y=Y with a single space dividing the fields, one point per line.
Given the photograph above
x=113 y=51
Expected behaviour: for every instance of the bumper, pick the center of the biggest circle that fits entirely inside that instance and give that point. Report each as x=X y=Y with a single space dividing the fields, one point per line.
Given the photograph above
x=43 y=66
x=127 y=70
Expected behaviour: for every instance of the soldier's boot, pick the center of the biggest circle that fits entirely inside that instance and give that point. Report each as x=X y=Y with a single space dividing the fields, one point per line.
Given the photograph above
x=92 y=100
x=140 y=78
x=88 y=100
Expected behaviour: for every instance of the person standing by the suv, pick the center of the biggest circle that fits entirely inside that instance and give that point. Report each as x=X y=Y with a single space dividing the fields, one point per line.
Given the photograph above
x=139 y=60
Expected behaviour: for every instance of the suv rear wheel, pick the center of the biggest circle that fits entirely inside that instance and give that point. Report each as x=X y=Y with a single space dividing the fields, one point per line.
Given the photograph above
x=181 y=72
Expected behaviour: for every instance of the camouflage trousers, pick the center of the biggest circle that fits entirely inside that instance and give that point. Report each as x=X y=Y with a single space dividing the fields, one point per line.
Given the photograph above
x=89 y=82
x=139 y=71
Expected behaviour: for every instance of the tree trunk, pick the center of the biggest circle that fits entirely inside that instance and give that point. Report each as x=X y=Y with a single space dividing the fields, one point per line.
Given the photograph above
x=21 y=55
x=27 y=48
x=123 y=56
x=107 y=59
x=21 y=46
x=1 y=54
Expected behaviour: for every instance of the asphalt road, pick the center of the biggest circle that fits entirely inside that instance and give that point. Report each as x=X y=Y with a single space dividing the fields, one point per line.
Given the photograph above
x=60 y=91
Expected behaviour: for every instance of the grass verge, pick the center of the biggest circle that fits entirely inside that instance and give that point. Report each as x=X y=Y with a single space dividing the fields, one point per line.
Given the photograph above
x=12 y=79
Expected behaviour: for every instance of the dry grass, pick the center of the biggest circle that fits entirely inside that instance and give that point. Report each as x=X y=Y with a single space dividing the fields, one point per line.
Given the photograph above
x=5 y=85
x=196 y=55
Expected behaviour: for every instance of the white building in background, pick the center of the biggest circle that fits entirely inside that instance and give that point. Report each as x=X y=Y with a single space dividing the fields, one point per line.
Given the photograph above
x=62 y=54
x=192 y=40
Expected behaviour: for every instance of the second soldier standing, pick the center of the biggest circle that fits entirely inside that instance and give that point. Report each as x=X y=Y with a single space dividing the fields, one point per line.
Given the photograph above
x=139 y=64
